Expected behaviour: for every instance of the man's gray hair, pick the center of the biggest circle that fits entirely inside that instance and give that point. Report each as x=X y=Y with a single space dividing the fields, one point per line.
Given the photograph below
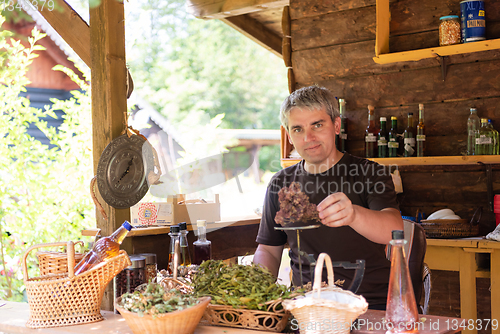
x=312 y=98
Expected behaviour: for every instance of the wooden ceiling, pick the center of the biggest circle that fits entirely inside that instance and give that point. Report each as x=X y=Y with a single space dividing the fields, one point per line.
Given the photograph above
x=259 y=20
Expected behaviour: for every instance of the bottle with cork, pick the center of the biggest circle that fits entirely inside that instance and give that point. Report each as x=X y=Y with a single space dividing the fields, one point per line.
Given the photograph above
x=371 y=133
x=185 y=256
x=202 y=247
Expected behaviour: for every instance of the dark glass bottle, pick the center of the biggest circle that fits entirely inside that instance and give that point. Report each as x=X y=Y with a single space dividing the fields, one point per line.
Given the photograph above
x=420 y=132
x=174 y=235
x=382 y=139
x=409 y=137
x=342 y=137
x=185 y=256
x=202 y=247
x=401 y=313
x=393 y=144
x=371 y=134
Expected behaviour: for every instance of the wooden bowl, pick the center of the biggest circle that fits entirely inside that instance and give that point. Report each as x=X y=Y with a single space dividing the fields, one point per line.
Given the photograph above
x=178 y=322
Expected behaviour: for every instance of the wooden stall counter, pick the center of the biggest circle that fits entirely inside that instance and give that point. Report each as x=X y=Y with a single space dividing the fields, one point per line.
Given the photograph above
x=13 y=317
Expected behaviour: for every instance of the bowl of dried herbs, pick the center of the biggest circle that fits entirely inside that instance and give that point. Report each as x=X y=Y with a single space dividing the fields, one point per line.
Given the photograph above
x=157 y=310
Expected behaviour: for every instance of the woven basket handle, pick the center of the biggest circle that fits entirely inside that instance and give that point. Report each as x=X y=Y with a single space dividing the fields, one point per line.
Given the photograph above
x=318 y=271
x=70 y=253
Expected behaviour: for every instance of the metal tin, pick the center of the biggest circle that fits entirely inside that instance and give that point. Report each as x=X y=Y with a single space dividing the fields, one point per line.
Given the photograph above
x=473 y=20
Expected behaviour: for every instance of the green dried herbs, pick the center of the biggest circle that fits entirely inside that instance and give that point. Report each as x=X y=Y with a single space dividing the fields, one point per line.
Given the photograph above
x=237 y=285
x=155 y=300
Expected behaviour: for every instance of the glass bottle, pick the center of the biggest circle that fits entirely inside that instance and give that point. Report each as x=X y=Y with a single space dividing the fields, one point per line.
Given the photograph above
x=409 y=137
x=371 y=134
x=420 y=132
x=105 y=248
x=484 y=139
x=342 y=137
x=393 y=144
x=174 y=235
x=401 y=313
x=185 y=256
x=382 y=139
x=202 y=247
x=473 y=125
x=495 y=137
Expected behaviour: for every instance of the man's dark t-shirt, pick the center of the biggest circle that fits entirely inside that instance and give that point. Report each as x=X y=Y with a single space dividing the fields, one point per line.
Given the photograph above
x=366 y=184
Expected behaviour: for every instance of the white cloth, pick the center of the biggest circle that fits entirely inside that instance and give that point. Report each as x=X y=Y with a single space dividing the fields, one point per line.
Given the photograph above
x=495 y=235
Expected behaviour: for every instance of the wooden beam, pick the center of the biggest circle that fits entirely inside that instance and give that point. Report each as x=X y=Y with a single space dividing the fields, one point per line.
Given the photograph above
x=383 y=29
x=220 y=9
x=256 y=31
x=109 y=98
x=71 y=27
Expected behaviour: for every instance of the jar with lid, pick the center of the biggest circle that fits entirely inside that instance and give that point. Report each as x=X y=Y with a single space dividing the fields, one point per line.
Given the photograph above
x=449 y=30
x=151 y=266
x=131 y=277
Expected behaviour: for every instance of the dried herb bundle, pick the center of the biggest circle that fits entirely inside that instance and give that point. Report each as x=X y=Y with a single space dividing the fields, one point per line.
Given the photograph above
x=155 y=300
x=295 y=206
x=237 y=285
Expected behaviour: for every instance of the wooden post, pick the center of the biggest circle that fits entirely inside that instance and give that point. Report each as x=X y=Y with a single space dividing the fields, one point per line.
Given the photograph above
x=109 y=98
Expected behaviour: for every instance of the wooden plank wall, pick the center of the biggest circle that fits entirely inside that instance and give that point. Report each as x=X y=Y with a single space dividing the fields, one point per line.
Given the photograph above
x=333 y=43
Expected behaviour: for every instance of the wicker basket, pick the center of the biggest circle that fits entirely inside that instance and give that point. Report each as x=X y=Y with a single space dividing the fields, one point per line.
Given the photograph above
x=450 y=228
x=57 y=300
x=51 y=262
x=274 y=319
x=326 y=310
x=178 y=322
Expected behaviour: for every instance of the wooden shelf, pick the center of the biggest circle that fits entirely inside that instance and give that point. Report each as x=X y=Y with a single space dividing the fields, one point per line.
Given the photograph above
x=449 y=50
x=441 y=160
x=383 y=56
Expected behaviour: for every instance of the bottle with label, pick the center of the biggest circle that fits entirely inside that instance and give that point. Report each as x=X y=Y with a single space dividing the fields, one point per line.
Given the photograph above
x=105 y=248
x=401 y=314
x=202 y=247
x=484 y=139
x=409 y=137
x=473 y=125
x=382 y=139
x=175 y=235
x=371 y=134
x=342 y=137
x=495 y=137
x=393 y=144
x=185 y=256
x=420 y=132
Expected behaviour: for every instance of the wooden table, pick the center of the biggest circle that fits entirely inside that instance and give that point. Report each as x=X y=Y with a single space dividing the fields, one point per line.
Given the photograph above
x=13 y=317
x=460 y=255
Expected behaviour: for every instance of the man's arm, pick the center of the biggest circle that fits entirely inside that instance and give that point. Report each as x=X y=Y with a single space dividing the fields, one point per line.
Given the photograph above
x=269 y=257
x=337 y=210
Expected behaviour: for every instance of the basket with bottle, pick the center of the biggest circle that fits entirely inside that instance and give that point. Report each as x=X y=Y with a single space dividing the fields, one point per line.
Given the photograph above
x=65 y=299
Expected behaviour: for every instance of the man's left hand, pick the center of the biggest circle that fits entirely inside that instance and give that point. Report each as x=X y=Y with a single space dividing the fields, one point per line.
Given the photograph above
x=336 y=210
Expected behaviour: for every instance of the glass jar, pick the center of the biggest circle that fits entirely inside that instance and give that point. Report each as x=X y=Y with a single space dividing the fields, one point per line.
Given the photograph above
x=151 y=266
x=449 y=30
x=131 y=277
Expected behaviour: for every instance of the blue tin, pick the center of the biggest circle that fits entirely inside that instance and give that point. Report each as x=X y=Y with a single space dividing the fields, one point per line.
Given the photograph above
x=473 y=20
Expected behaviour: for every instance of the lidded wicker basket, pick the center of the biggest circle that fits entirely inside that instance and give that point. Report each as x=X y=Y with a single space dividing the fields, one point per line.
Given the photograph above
x=326 y=310
x=64 y=299
x=52 y=262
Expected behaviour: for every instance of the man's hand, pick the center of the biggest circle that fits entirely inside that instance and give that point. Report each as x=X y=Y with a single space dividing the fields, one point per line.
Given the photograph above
x=336 y=210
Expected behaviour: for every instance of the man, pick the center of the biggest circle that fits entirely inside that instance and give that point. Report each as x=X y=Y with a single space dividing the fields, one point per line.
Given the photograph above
x=355 y=199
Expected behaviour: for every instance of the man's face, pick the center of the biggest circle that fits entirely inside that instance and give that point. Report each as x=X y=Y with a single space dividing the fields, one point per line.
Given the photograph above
x=312 y=132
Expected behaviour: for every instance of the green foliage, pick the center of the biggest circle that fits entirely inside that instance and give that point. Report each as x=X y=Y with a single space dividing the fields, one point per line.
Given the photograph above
x=182 y=65
x=44 y=193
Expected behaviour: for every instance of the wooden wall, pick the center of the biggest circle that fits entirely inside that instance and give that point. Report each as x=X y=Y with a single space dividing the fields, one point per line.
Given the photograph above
x=333 y=43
